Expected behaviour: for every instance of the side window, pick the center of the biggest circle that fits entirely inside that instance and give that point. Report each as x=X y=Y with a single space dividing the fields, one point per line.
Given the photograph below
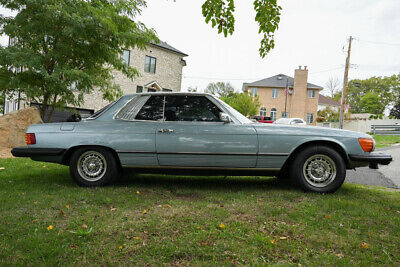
x=190 y=108
x=152 y=110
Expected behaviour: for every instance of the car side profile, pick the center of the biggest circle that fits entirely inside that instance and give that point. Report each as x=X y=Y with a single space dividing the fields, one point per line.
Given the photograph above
x=197 y=134
x=262 y=119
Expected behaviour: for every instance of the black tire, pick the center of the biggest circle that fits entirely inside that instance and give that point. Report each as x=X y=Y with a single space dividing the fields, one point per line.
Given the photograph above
x=283 y=176
x=315 y=160
x=104 y=161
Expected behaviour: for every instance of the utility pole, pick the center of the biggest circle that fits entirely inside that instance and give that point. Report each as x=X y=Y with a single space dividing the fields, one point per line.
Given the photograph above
x=346 y=76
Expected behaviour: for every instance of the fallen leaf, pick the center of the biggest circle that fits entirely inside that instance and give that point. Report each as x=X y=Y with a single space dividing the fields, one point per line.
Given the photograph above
x=283 y=238
x=2 y=168
x=112 y=208
x=167 y=206
x=328 y=216
x=50 y=227
x=364 y=245
x=35 y=220
x=221 y=206
x=203 y=244
x=84 y=226
x=137 y=237
x=398 y=211
x=73 y=247
x=273 y=241
x=144 y=211
x=62 y=213
x=145 y=232
x=389 y=209
x=35 y=202
x=67 y=206
x=339 y=255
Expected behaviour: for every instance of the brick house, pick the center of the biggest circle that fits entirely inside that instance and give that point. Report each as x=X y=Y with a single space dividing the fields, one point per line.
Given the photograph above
x=160 y=67
x=325 y=102
x=282 y=96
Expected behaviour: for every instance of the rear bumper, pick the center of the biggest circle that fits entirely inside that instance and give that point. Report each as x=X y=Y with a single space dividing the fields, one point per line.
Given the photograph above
x=373 y=157
x=34 y=152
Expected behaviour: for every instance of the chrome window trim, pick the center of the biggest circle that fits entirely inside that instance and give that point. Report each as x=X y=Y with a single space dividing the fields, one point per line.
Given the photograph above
x=210 y=98
x=104 y=111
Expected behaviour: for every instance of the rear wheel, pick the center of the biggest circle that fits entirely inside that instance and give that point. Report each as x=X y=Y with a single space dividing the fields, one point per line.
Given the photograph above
x=93 y=166
x=319 y=169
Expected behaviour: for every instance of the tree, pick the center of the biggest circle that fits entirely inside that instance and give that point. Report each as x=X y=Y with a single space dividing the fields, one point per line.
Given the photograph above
x=387 y=90
x=57 y=44
x=220 y=89
x=395 y=111
x=332 y=85
x=244 y=103
x=220 y=14
x=370 y=103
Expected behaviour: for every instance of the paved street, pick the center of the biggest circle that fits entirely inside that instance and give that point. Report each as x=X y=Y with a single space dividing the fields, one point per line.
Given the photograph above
x=387 y=176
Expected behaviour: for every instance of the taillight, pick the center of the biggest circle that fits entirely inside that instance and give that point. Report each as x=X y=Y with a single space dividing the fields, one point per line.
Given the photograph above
x=30 y=138
x=367 y=144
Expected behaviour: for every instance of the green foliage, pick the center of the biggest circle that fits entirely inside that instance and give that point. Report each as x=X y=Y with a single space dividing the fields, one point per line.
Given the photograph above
x=370 y=103
x=361 y=94
x=244 y=103
x=60 y=43
x=395 y=111
x=327 y=115
x=220 y=89
x=220 y=14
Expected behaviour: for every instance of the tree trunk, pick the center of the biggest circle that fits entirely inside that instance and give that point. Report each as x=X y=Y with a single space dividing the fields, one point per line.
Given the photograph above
x=52 y=108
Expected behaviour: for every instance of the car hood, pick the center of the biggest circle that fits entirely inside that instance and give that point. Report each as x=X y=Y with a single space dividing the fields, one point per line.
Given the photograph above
x=314 y=130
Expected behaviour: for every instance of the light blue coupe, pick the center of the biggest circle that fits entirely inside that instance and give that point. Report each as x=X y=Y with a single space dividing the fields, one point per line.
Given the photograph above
x=197 y=134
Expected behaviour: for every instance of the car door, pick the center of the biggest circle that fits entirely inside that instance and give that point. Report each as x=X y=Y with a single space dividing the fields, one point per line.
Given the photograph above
x=135 y=129
x=192 y=135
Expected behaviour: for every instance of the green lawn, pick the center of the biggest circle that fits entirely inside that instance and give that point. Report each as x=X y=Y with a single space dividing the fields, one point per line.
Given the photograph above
x=152 y=219
x=386 y=140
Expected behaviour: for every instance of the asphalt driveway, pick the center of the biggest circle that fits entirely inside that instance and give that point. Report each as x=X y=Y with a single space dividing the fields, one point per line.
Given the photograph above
x=387 y=176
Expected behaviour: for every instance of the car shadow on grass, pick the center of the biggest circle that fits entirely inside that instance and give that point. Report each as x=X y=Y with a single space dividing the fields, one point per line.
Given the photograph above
x=216 y=183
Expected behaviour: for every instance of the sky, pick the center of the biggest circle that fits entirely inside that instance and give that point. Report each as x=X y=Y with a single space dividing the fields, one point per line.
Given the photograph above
x=311 y=33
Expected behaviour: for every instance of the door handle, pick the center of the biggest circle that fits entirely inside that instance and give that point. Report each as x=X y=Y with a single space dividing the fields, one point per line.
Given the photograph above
x=165 y=131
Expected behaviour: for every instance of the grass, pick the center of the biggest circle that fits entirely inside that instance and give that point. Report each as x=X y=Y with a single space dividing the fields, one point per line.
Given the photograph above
x=386 y=140
x=155 y=219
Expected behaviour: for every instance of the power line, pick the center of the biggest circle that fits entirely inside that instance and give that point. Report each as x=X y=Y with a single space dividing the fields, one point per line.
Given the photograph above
x=378 y=43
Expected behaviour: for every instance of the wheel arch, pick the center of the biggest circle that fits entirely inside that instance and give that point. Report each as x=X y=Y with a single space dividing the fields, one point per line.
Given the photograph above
x=67 y=155
x=328 y=143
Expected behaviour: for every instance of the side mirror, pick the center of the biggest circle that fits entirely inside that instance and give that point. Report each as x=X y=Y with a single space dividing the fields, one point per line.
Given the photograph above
x=224 y=117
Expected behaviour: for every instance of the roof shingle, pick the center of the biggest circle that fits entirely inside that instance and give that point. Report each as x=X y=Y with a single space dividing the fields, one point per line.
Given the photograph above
x=279 y=80
x=327 y=101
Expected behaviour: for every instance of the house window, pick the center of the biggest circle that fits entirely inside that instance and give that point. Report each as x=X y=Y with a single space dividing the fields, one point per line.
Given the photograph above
x=285 y=114
x=139 y=89
x=275 y=93
x=166 y=90
x=150 y=64
x=310 y=118
x=151 y=90
x=273 y=114
x=311 y=93
x=253 y=92
x=263 y=112
x=125 y=56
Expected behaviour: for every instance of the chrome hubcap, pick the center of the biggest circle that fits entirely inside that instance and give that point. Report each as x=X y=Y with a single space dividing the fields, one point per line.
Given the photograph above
x=92 y=166
x=319 y=170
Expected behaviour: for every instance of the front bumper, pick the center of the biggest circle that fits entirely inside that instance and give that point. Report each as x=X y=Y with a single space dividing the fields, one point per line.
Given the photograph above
x=372 y=158
x=35 y=152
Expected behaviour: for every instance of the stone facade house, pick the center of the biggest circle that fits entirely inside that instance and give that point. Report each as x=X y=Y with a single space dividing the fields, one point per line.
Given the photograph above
x=282 y=96
x=160 y=67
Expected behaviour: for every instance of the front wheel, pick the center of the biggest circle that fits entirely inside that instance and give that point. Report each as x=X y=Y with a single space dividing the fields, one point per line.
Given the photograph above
x=93 y=166
x=319 y=169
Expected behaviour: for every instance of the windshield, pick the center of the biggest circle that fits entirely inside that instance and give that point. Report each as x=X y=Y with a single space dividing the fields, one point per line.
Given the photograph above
x=239 y=116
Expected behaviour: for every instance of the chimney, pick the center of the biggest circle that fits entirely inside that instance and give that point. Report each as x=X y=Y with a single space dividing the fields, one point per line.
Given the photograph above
x=300 y=92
